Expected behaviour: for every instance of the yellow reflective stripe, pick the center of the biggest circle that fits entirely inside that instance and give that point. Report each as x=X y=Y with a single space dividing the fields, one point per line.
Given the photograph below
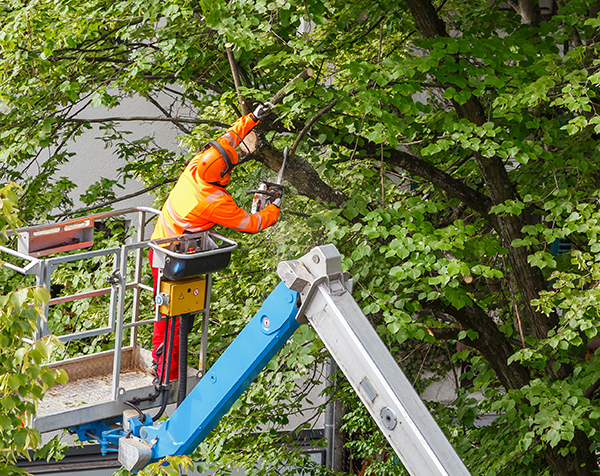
x=166 y=226
x=244 y=223
x=193 y=229
x=174 y=215
x=214 y=196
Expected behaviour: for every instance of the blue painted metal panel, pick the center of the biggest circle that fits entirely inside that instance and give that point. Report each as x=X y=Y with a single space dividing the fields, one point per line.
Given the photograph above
x=227 y=379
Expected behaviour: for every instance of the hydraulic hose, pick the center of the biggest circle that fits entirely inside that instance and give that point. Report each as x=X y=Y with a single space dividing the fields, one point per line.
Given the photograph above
x=166 y=372
x=163 y=355
x=185 y=324
x=163 y=404
x=137 y=409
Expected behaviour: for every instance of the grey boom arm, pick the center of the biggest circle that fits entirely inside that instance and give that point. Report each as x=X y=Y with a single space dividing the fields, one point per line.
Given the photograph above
x=375 y=376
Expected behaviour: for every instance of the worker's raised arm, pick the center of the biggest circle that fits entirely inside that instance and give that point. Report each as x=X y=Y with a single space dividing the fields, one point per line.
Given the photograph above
x=239 y=130
x=227 y=213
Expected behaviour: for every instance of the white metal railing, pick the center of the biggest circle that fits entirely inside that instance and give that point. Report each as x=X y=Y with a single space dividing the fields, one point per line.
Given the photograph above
x=43 y=269
x=42 y=249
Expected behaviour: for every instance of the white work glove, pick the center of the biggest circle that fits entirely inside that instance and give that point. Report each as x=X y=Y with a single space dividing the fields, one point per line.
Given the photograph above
x=277 y=202
x=262 y=110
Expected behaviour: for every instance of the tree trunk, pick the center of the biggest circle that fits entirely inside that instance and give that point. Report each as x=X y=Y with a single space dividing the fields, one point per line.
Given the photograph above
x=581 y=463
x=529 y=280
x=530 y=12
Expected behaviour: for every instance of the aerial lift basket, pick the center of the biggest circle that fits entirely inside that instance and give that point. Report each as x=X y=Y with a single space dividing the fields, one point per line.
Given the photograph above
x=100 y=384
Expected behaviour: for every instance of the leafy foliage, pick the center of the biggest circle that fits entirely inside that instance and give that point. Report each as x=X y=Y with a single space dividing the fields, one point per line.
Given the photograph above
x=171 y=466
x=23 y=378
x=449 y=151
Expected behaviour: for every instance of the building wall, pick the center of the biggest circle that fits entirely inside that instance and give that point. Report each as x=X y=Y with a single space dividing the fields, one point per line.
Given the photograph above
x=93 y=161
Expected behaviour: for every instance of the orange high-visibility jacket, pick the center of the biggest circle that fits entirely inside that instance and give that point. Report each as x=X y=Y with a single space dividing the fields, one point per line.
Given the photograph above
x=195 y=205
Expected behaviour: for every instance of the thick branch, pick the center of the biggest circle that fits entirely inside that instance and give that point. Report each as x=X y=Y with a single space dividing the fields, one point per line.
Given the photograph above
x=442 y=180
x=419 y=167
x=236 y=78
x=491 y=343
x=445 y=333
x=529 y=11
x=428 y=22
x=279 y=95
x=298 y=172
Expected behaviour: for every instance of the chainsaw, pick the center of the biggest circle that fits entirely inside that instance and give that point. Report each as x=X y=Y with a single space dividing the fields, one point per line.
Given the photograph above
x=269 y=192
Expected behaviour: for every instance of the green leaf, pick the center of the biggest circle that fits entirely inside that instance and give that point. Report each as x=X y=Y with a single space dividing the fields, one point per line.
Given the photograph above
x=48 y=377
x=7 y=403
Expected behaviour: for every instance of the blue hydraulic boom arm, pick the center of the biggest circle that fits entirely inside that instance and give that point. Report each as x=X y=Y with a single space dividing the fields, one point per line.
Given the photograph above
x=218 y=390
x=314 y=290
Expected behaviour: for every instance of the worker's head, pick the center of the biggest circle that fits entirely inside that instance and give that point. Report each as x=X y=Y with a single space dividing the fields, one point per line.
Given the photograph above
x=217 y=161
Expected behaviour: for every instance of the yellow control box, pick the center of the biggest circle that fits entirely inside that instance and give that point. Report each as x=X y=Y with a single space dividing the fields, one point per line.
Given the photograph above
x=184 y=296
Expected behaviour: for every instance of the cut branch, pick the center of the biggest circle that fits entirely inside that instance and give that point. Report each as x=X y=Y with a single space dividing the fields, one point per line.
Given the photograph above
x=236 y=78
x=279 y=95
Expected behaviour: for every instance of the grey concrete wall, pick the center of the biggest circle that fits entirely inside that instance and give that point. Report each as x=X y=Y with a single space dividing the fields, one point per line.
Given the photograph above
x=93 y=160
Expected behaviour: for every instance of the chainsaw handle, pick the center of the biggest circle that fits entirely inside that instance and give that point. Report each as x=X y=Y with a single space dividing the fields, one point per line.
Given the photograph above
x=267 y=194
x=263 y=192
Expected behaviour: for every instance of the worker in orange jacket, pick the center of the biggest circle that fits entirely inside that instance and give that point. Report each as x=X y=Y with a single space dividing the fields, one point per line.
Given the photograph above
x=199 y=201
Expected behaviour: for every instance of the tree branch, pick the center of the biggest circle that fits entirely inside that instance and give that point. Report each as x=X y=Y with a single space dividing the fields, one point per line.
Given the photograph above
x=92 y=59
x=194 y=79
x=158 y=106
x=419 y=167
x=279 y=95
x=116 y=200
x=310 y=123
x=491 y=343
x=175 y=120
x=236 y=78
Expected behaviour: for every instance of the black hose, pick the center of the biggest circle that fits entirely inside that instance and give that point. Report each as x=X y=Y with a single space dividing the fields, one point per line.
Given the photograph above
x=163 y=355
x=170 y=349
x=163 y=405
x=185 y=325
x=166 y=370
x=136 y=408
